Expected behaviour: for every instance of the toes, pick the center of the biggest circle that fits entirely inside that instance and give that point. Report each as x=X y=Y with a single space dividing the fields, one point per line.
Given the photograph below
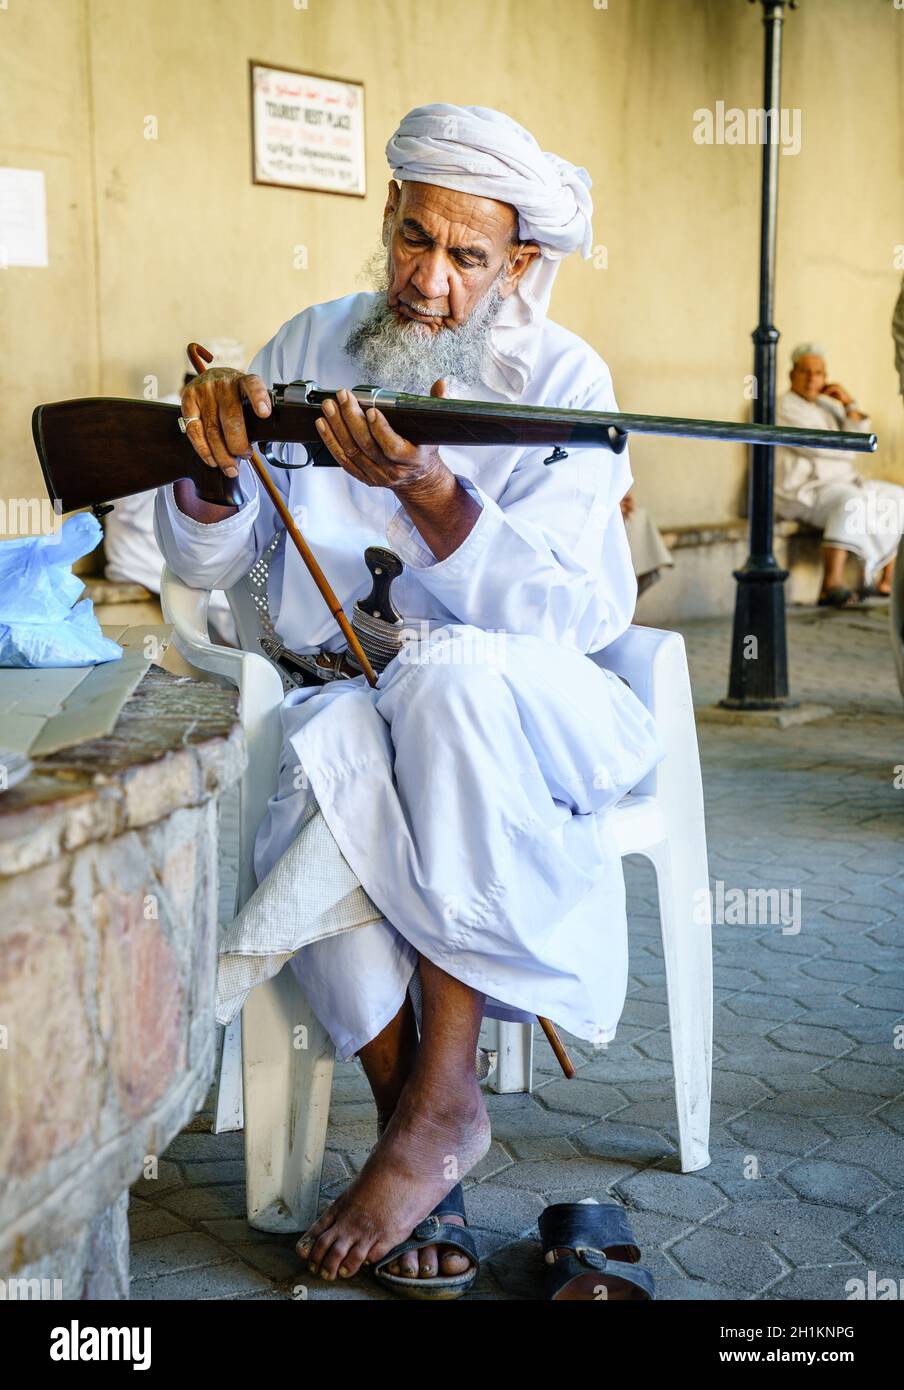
x=322 y=1246
x=334 y=1259
x=453 y=1261
x=354 y=1259
x=408 y=1264
x=323 y=1223
x=428 y=1261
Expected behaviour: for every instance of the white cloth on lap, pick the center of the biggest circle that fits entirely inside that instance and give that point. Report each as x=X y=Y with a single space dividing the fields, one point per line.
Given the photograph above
x=309 y=894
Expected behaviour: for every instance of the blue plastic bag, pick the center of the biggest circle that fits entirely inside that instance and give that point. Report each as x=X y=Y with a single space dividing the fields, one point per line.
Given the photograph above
x=40 y=622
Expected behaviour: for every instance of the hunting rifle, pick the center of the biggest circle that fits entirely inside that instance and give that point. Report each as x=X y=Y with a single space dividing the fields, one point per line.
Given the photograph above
x=93 y=451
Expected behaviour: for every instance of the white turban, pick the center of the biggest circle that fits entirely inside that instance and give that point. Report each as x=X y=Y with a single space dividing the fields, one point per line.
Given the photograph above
x=474 y=149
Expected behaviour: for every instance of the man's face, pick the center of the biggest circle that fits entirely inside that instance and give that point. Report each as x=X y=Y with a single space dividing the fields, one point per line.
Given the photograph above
x=445 y=250
x=808 y=376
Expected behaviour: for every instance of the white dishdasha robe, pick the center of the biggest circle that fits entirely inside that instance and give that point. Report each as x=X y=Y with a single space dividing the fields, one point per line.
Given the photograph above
x=468 y=792
x=823 y=488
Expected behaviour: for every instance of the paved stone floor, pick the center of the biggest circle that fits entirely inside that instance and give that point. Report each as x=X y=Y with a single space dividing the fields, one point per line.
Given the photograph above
x=806 y=1186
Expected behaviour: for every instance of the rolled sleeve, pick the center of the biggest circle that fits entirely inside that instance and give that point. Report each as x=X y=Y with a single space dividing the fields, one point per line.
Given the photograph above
x=408 y=543
x=211 y=555
x=570 y=584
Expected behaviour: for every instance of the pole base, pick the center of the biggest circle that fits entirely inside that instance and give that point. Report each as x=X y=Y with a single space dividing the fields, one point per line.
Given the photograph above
x=787 y=716
x=752 y=706
x=759 y=653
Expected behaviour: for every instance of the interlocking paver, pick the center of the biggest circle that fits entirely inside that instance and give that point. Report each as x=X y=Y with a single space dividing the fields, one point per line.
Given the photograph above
x=612 y=1139
x=229 y=1280
x=168 y=1253
x=783 y=1132
x=885 y=1079
x=820 y=1042
x=724 y=1258
x=822 y=1285
x=879 y=1237
x=816 y=1101
x=579 y=1097
x=502 y=1208
x=584 y=1177
x=682 y=1195
x=839 y=1184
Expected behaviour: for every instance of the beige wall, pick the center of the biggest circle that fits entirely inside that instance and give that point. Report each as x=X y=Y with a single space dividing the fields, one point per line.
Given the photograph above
x=153 y=242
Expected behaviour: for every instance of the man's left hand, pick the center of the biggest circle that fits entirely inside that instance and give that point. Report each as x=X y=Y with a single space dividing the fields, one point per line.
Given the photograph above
x=837 y=392
x=363 y=443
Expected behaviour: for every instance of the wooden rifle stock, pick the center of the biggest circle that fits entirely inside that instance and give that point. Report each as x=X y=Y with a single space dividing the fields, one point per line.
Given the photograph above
x=93 y=451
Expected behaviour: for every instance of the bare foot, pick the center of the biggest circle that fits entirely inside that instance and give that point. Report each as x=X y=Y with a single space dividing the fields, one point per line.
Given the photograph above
x=433 y=1259
x=429 y=1145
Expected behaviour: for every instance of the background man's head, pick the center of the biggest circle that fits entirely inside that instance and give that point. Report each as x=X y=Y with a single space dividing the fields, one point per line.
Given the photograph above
x=808 y=370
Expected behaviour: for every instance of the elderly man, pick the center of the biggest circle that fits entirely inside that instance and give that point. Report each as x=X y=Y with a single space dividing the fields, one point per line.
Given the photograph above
x=864 y=516
x=468 y=792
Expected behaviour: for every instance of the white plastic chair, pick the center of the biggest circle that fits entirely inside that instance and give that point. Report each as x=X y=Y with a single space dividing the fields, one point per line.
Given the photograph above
x=661 y=819
x=280 y=1090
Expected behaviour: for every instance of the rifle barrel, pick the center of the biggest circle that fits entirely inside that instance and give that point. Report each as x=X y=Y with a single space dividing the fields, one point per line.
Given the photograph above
x=576 y=422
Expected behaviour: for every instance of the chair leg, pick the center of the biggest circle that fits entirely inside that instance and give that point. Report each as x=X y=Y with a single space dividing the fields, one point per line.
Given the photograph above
x=288 y=1074
x=228 y=1112
x=685 y=920
x=514 y=1045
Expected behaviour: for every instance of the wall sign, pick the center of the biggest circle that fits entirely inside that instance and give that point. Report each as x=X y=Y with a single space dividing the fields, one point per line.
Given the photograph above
x=23 y=217
x=307 y=131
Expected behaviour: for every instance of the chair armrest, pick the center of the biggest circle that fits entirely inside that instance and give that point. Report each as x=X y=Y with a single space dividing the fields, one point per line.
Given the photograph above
x=260 y=698
x=654 y=663
x=186 y=608
x=634 y=656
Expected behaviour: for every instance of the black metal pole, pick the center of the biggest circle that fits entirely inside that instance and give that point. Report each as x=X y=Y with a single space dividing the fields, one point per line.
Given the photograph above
x=759 y=654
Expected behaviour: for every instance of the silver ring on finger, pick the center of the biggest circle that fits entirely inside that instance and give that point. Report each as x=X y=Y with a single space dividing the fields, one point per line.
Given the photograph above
x=184 y=424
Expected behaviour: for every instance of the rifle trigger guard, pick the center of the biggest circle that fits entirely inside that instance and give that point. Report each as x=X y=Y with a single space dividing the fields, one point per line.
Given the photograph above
x=274 y=462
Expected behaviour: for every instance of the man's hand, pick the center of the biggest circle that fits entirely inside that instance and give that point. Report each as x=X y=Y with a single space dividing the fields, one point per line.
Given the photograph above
x=837 y=392
x=219 y=436
x=627 y=505
x=365 y=446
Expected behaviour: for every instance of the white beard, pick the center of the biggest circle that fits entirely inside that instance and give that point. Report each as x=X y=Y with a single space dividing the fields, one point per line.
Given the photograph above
x=412 y=356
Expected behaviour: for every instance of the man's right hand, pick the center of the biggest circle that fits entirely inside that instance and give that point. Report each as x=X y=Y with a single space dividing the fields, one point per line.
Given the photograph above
x=216 y=396
x=837 y=392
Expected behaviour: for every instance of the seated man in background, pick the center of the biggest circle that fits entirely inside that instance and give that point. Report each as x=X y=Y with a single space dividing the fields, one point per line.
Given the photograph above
x=864 y=516
x=648 y=550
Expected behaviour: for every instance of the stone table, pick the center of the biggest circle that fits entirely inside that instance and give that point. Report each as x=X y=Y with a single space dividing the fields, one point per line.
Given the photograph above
x=108 y=942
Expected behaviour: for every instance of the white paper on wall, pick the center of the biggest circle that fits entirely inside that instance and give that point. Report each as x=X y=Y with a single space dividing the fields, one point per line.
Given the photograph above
x=23 y=218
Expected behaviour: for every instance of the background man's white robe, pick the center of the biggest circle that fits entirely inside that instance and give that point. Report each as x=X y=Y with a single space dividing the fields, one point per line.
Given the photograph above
x=822 y=487
x=469 y=791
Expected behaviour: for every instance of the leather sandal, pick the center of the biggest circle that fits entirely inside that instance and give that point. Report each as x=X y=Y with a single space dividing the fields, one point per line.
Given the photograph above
x=590 y=1254
x=838 y=597
x=433 y=1230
